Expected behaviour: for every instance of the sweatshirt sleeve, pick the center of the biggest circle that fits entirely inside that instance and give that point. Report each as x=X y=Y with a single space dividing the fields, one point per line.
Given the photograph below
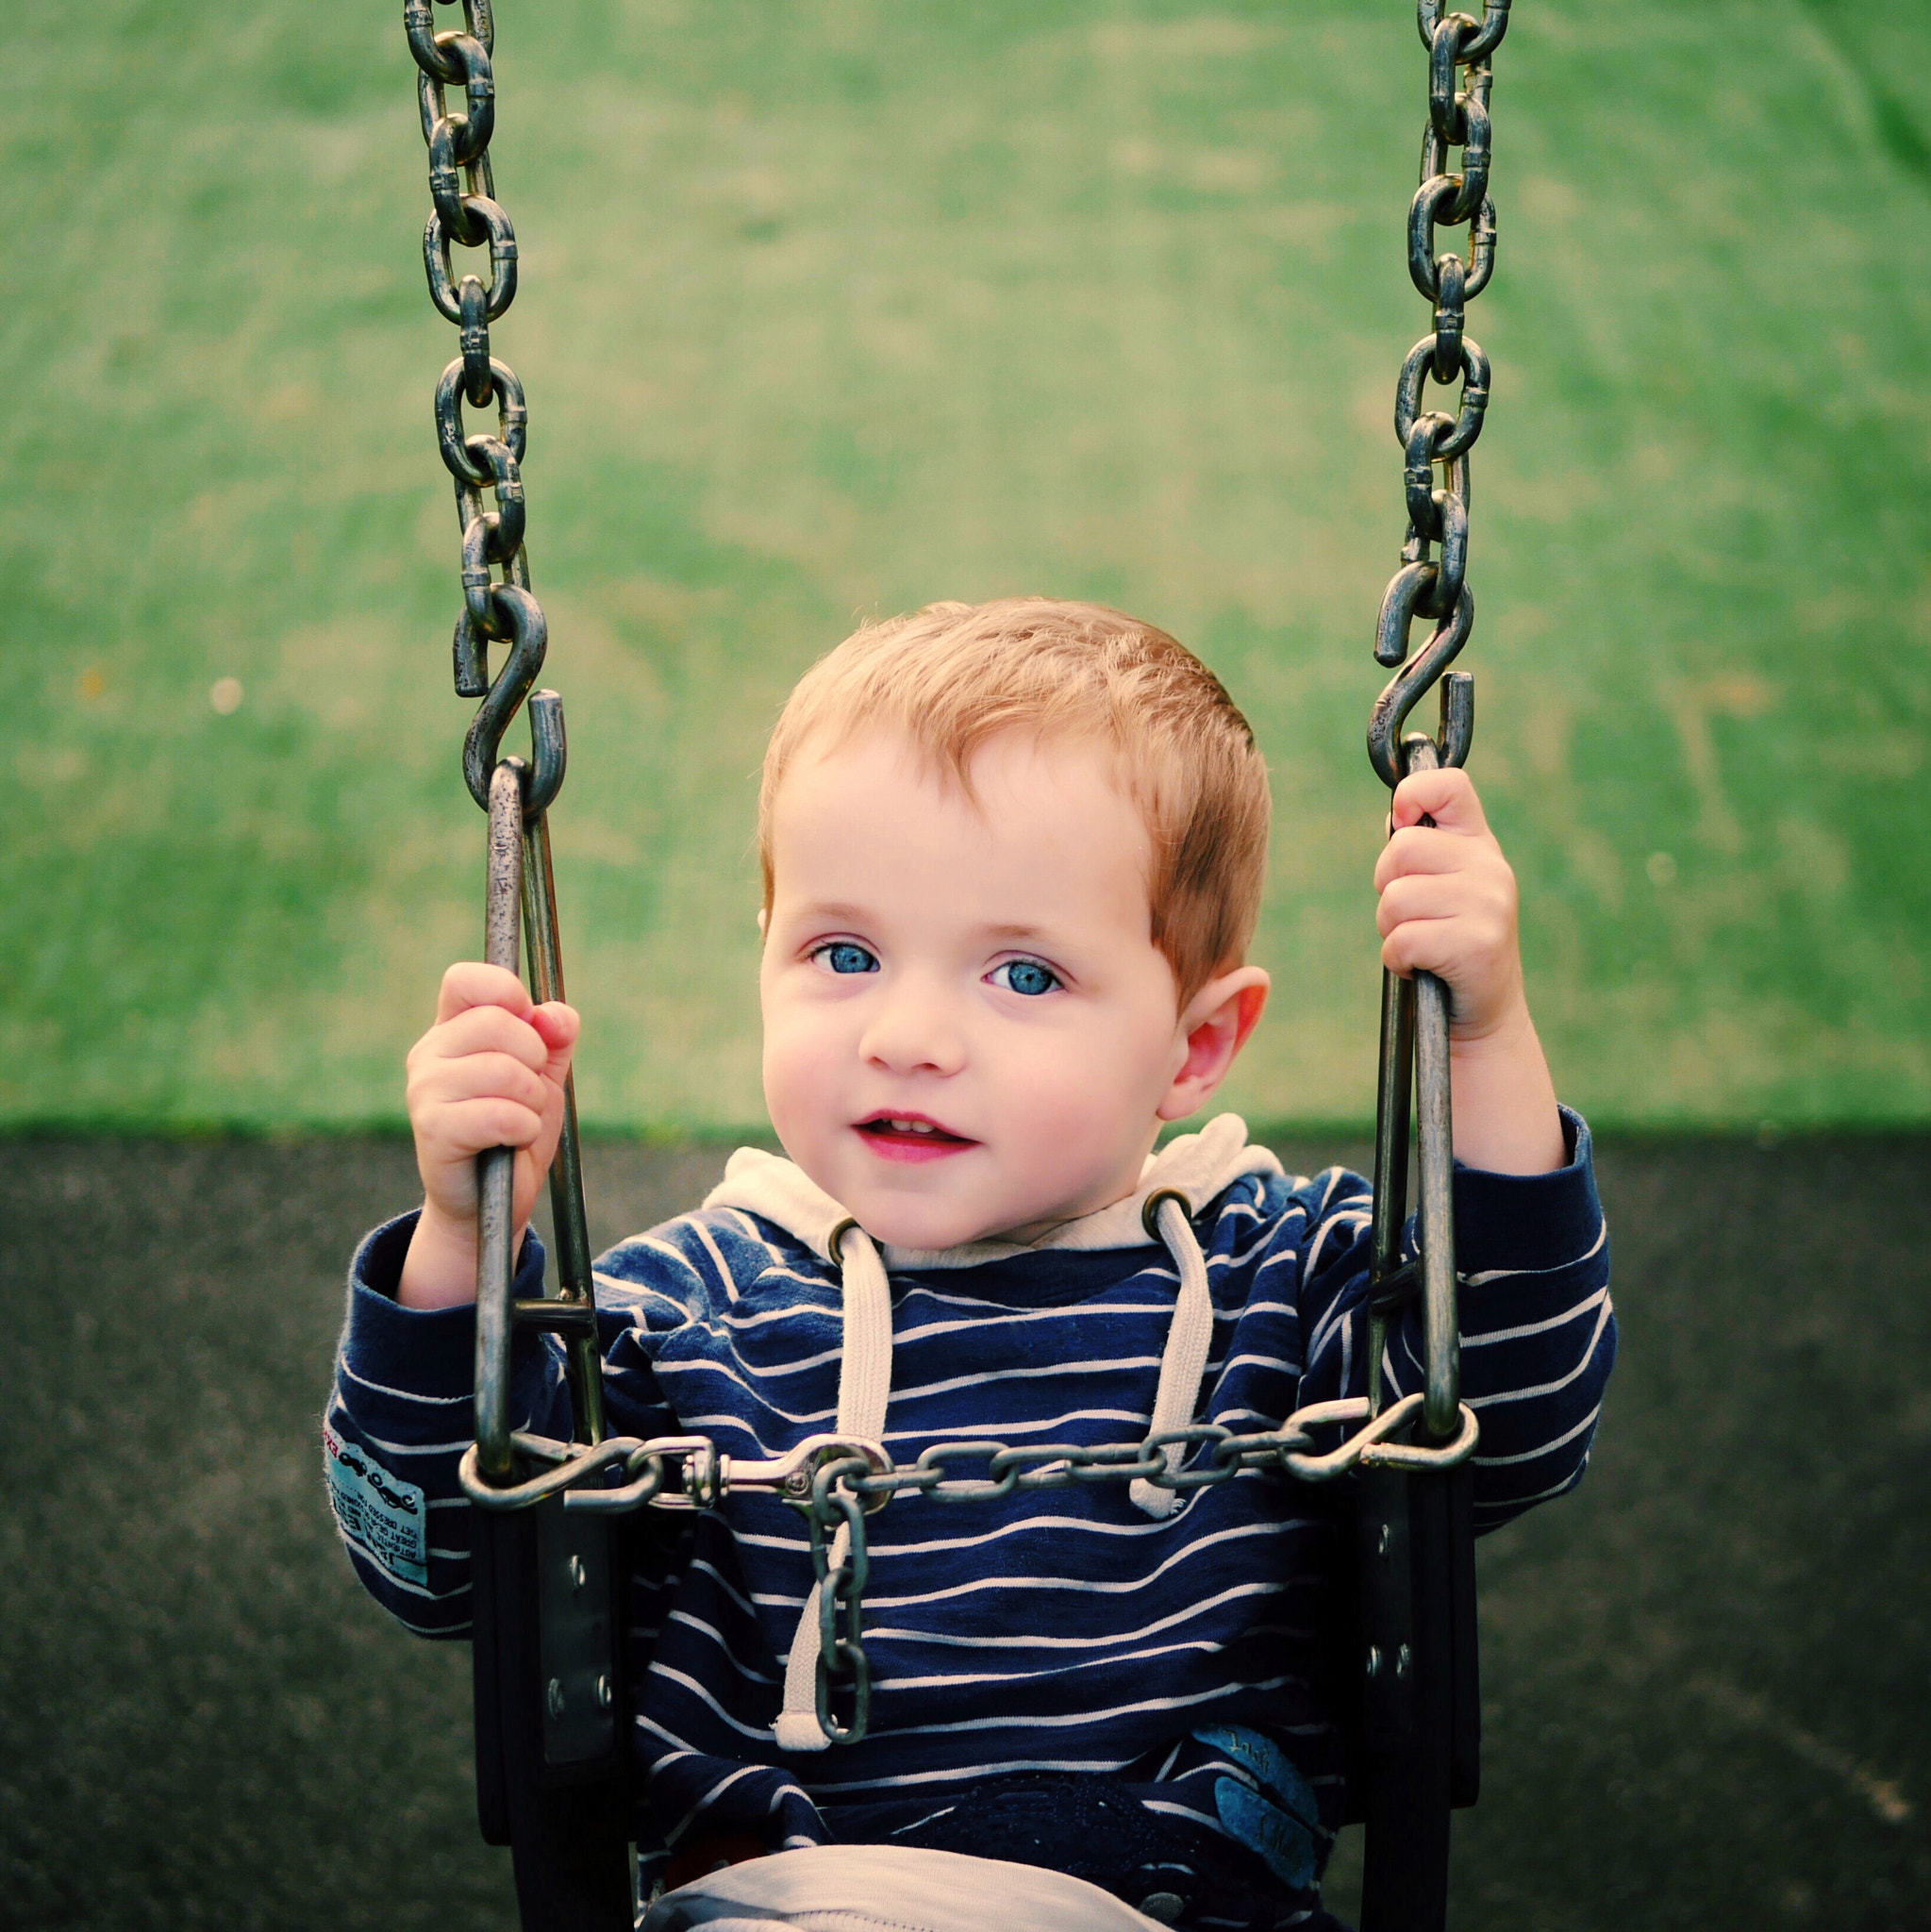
x=1537 y=1331
x=399 y=1418
x=1538 y=1326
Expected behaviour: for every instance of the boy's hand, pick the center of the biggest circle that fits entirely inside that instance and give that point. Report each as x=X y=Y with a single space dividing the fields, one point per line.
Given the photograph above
x=1448 y=907
x=1448 y=903
x=489 y=1072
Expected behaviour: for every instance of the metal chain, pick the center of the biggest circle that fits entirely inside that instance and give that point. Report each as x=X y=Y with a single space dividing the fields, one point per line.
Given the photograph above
x=1432 y=581
x=465 y=213
x=837 y=1481
x=498 y=606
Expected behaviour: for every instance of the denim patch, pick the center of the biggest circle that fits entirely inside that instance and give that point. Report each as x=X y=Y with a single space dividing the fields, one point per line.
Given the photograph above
x=1271 y=1808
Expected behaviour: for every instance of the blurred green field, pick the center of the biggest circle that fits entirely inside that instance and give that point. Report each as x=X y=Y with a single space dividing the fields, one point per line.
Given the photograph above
x=830 y=310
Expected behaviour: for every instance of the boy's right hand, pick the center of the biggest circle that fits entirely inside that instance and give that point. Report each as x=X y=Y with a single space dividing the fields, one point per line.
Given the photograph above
x=489 y=1072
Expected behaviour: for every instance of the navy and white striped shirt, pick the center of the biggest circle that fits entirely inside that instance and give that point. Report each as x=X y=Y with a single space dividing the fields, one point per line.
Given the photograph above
x=1054 y=1632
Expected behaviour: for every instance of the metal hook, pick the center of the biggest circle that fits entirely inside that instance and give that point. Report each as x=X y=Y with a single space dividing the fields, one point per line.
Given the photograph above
x=522 y=616
x=1412 y=585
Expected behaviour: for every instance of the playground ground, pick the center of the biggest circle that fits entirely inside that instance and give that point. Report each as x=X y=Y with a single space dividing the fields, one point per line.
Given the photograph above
x=1704 y=1675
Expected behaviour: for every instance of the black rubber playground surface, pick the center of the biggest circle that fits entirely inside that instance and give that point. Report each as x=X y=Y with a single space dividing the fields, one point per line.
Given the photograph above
x=1707 y=1677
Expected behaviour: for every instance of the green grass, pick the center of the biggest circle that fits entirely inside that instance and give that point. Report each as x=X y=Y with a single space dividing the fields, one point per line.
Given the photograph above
x=831 y=310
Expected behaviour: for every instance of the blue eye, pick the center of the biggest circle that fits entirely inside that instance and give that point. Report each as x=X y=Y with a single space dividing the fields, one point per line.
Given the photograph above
x=1025 y=976
x=847 y=955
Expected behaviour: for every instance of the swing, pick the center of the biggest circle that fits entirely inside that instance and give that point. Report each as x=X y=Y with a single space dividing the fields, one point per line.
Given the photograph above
x=551 y=1520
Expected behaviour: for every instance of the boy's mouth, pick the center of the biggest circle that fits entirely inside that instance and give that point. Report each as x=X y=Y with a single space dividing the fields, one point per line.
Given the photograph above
x=909 y=1135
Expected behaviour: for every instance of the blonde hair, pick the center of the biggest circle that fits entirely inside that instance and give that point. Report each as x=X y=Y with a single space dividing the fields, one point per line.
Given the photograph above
x=953 y=676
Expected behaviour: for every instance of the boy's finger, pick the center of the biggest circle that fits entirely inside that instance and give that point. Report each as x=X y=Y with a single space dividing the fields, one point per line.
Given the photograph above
x=474 y=983
x=487 y=1029
x=1448 y=798
x=1484 y=902
x=1424 y=944
x=1400 y=948
x=494 y=1123
x=1417 y=895
x=484 y=1076
x=558 y=1027
x=1419 y=848
x=556 y=1024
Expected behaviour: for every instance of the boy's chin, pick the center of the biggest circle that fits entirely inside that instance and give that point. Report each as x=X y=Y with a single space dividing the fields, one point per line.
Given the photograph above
x=931 y=1223
x=894 y=1228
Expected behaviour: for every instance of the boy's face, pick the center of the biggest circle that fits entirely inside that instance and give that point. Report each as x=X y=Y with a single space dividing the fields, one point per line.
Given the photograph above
x=968 y=1030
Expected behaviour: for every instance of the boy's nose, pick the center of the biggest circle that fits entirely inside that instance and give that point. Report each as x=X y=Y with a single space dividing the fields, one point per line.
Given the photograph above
x=910 y=1033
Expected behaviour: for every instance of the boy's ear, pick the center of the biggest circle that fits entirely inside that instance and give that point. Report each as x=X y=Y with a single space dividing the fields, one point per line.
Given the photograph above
x=764 y=921
x=1211 y=1032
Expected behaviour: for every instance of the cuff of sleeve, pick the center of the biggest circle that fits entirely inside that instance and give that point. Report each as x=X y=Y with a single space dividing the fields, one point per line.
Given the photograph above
x=431 y=1351
x=1529 y=1220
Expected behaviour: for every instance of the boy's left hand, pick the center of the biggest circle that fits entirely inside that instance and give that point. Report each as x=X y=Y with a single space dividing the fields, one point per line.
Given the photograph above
x=1448 y=904
x=1448 y=907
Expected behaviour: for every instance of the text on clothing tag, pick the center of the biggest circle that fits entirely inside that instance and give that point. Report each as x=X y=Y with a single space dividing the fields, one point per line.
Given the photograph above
x=380 y=1512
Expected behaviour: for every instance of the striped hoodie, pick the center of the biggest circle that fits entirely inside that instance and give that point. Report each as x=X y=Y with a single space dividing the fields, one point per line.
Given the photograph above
x=1026 y=1653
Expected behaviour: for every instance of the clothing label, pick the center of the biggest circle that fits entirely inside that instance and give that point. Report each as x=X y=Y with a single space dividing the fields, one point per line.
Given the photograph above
x=381 y=1513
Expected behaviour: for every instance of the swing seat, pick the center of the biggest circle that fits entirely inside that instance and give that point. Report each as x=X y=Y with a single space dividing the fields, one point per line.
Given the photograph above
x=1403 y=1580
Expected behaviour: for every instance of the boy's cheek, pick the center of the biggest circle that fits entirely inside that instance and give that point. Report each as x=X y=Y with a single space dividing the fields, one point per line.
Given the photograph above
x=800 y=1061
x=1068 y=1096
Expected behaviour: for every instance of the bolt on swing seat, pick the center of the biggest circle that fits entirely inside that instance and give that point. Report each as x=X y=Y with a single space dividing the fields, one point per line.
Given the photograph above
x=551 y=1539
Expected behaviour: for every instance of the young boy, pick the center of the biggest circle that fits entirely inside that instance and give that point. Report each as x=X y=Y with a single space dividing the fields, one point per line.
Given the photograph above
x=1013 y=855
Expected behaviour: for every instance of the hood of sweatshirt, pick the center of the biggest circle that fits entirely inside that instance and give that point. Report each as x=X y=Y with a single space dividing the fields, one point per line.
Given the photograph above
x=1195 y=1167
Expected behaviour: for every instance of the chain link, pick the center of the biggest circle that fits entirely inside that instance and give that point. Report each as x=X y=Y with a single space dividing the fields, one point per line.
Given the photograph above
x=1432 y=581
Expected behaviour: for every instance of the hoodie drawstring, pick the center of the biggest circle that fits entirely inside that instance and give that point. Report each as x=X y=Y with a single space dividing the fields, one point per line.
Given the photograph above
x=864 y=1385
x=1189 y=1337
